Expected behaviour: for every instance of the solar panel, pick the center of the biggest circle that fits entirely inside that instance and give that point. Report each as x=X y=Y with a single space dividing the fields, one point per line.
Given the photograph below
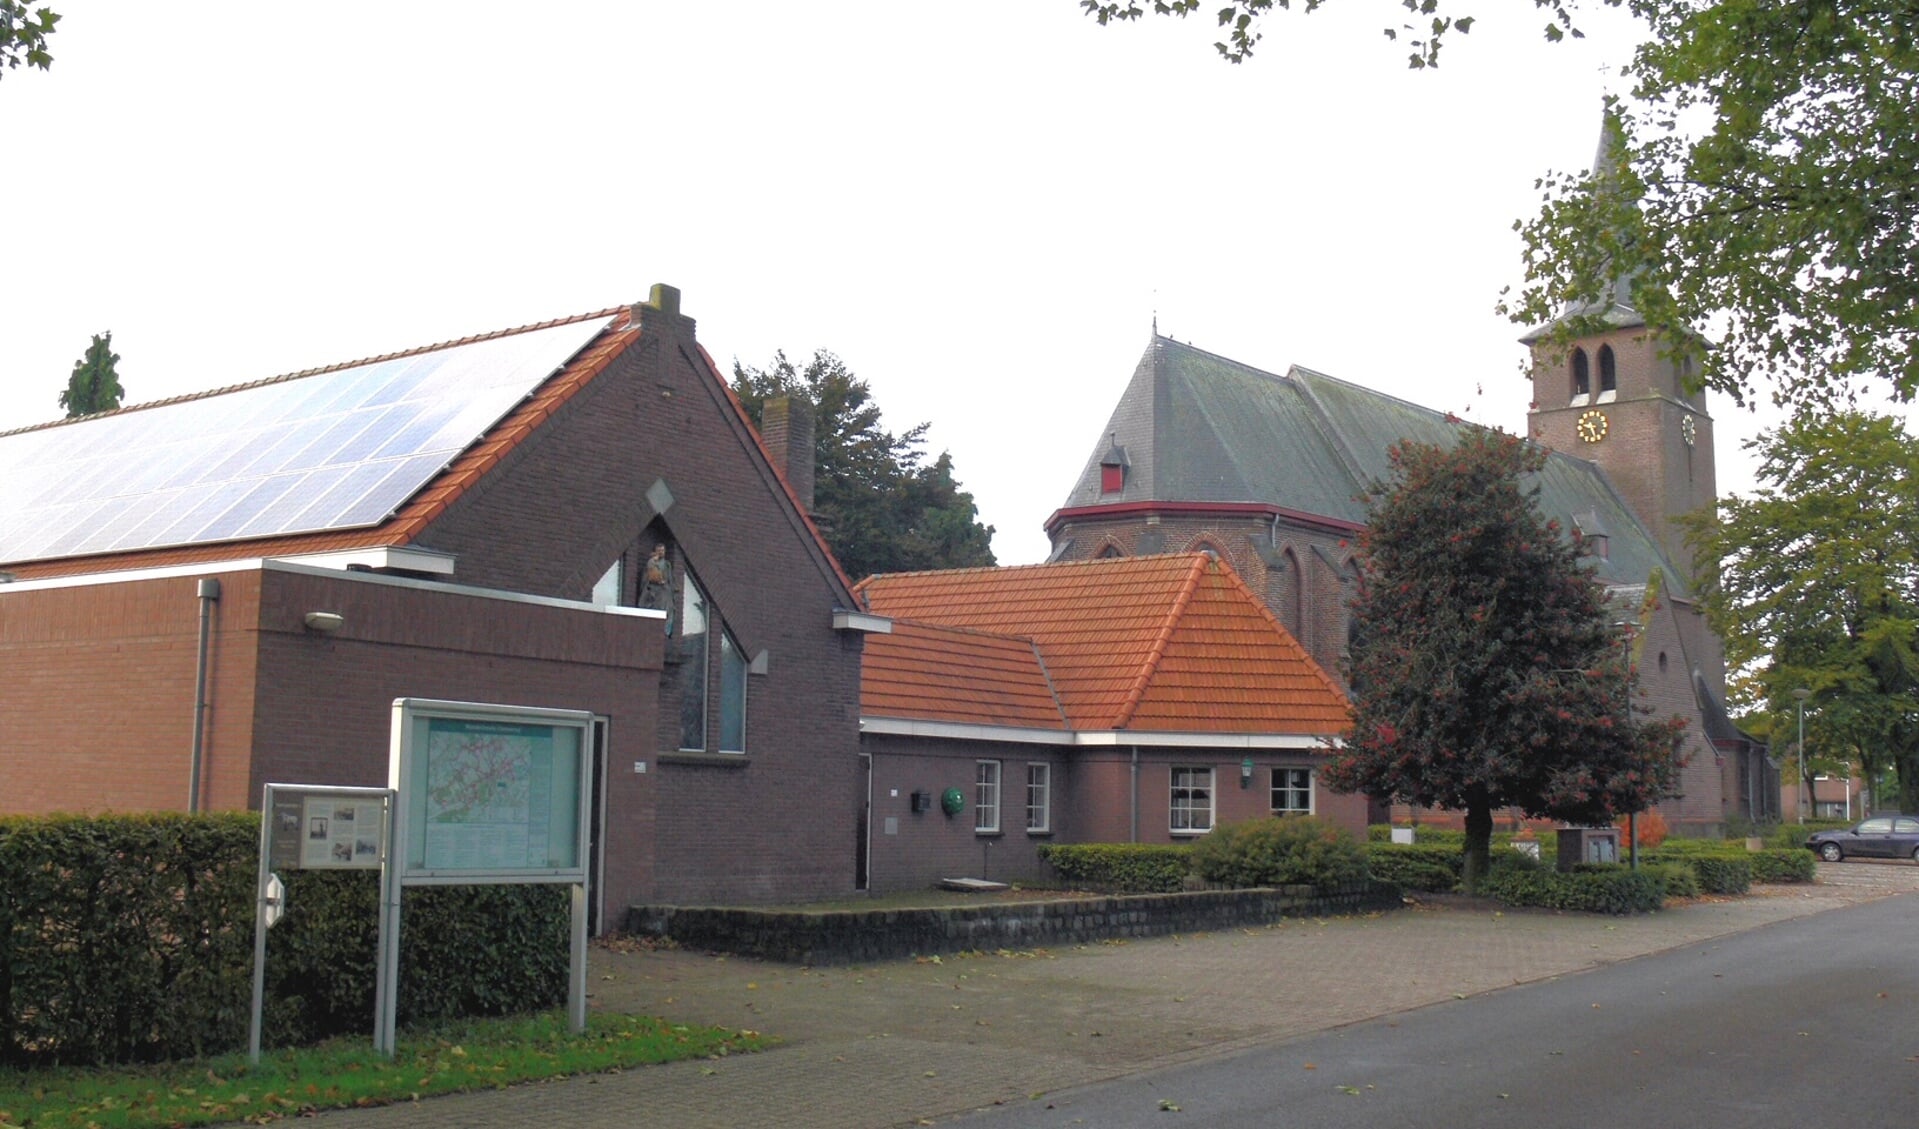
x=336 y=450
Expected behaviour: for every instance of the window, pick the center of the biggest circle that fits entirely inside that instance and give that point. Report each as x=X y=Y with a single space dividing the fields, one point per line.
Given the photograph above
x=1292 y=791
x=606 y=591
x=1608 y=374
x=1112 y=479
x=986 y=797
x=732 y=695
x=1192 y=800
x=1039 y=797
x=693 y=655
x=1582 y=377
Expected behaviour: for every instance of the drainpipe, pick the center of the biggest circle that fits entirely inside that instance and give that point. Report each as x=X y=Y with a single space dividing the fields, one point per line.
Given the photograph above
x=1135 y=791
x=209 y=594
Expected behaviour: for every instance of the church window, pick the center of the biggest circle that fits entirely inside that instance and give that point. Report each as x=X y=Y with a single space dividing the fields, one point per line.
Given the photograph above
x=606 y=591
x=1608 y=374
x=1582 y=377
x=697 y=627
x=1110 y=552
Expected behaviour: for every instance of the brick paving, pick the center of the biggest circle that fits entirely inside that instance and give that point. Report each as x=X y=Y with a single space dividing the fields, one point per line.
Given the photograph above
x=915 y=1042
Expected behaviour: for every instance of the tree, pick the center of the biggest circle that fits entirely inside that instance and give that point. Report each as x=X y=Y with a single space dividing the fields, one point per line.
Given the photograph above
x=94 y=386
x=1765 y=195
x=1485 y=669
x=1814 y=582
x=23 y=35
x=880 y=506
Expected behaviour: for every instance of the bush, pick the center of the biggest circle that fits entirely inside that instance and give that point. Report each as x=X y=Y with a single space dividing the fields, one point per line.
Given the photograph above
x=1413 y=867
x=1614 y=889
x=1294 y=850
x=1677 y=879
x=1652 y=831
x=1722 y=874
x=1773 y=865
x=130 y=939
x=1124 y=868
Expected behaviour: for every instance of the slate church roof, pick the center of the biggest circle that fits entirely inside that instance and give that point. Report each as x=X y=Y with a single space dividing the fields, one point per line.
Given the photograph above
x=1201 y=428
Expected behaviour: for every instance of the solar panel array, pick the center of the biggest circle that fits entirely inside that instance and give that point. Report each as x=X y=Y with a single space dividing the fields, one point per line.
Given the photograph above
x=336 y=450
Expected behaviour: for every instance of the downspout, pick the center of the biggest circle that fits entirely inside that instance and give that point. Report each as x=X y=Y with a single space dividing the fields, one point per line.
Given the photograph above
x=1134 y=816
x=209 y=594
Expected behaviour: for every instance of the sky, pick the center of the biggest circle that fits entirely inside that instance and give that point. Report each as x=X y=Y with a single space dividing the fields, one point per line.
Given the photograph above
x=982 y=207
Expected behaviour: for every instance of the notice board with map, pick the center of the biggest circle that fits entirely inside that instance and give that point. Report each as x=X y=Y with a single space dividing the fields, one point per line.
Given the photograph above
x=490 y=793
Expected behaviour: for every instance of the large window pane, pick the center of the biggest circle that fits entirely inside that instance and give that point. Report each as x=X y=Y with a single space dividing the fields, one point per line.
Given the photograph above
x=693 y=635
x=732 y=696
x=986 y=797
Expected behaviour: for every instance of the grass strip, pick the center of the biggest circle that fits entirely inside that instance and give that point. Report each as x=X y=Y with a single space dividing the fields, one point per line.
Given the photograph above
x=341 y=1073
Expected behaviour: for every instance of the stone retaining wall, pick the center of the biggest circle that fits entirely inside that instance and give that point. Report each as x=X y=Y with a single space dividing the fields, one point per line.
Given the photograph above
x=854 y=936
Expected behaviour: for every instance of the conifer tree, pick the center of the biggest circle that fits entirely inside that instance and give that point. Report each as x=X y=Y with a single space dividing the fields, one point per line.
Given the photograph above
x=94 y=386
x=1485 y=668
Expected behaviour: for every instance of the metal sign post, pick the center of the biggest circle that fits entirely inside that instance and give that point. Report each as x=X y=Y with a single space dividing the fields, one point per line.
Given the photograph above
x=313 y=827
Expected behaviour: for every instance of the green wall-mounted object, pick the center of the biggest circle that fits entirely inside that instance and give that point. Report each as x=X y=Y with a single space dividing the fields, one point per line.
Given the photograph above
x=952 y=801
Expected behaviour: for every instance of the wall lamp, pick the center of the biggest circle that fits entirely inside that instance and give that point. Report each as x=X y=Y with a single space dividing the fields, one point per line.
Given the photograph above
x=326 y=623
x=1246 y=773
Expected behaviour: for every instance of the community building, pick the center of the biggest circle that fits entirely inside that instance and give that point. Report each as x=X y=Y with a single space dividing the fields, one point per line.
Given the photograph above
x=208 y=594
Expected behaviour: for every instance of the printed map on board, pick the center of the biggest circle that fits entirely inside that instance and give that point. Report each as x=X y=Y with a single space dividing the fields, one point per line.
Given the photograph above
x=479 y=778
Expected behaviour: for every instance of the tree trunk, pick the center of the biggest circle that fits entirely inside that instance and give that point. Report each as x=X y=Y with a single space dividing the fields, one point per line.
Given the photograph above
x=1479 y=842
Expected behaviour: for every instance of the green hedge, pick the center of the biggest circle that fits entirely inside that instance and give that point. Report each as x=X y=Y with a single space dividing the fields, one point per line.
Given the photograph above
x=1611 y=889
x=1722 y=874
x=130 y=939
x=1122 y=868
x=1415 y=867
x=1294 y=850
x=1782 y=865
x=1677 y=879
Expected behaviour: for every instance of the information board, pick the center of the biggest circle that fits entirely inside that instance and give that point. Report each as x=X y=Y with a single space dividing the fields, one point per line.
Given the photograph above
x=490 y=792
x=310 y=828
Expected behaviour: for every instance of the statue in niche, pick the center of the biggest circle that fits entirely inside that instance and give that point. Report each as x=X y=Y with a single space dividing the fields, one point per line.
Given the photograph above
x=656 y=584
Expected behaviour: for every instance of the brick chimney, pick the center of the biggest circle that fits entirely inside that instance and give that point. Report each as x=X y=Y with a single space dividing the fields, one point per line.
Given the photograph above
x=786 y=427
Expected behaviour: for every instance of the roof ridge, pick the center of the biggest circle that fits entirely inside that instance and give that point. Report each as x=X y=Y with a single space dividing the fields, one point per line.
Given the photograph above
x=1150 y=666
x=417 y=350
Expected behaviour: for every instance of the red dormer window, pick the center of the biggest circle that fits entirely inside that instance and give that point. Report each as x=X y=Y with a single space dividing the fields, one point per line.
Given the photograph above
x=1112 y=468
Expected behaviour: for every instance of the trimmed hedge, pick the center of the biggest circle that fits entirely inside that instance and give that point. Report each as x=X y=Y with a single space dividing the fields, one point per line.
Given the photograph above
x=130 y=939
x=1293 y=850
x=1610 y=889
x=1120 y=868
x=1677 y=879
x=1782 y=865
x=1415 y=867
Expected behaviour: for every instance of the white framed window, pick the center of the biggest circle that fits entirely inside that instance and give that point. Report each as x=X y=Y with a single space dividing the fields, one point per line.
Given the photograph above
x=986 y=796
x=1039 y=796
x=1192 y=800
x=1292 y=791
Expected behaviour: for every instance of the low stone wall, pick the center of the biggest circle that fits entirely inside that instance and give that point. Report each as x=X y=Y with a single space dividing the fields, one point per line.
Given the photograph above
x=854 y=936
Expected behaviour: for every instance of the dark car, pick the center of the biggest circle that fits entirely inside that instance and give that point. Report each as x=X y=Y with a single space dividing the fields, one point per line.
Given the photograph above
x=1881 y=837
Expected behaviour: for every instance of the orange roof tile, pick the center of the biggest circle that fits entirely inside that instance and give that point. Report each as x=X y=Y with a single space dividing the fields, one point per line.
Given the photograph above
x=924 y=672
x=1163 y=643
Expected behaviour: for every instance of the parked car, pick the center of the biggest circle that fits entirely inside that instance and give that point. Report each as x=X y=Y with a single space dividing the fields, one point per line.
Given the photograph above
x=1881 y=837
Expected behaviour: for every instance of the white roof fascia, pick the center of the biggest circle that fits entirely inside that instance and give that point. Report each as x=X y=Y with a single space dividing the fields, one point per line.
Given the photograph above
x=379 y=556
x=1106 y=738
x=962 y=731
x=844 y=620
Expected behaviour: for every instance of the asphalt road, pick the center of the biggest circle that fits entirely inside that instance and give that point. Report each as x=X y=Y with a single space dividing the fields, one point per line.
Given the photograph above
x=1805 y=1024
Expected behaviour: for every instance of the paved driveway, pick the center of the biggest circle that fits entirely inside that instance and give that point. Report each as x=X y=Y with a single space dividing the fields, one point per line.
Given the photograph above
x=913 y=1042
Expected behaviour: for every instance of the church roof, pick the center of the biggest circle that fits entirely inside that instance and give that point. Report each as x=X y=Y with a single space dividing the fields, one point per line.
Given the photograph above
x=1201 y=428
x=1173 y=643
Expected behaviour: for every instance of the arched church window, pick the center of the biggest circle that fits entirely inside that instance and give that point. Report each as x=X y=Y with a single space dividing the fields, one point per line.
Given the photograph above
x=1608 y=373
x=1582 y=377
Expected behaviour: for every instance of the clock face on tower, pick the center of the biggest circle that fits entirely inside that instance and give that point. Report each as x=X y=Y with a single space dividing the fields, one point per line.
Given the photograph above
x=1688 y=430
x=1592 y=426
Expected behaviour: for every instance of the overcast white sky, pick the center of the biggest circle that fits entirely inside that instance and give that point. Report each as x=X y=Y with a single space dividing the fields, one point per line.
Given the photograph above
x=980 y=206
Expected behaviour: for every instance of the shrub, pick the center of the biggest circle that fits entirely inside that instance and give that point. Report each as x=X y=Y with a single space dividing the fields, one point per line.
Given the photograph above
x=1613 y=889
x=1126 y=868
x=1652 y=831
x=1413 y=867
x=1774 y=865
x=1294 y=850
x=1677 y=879
x=1722 y=874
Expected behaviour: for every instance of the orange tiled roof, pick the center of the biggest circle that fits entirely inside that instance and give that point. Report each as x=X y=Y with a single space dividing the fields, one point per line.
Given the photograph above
x=924 y=672
x=1172 y=643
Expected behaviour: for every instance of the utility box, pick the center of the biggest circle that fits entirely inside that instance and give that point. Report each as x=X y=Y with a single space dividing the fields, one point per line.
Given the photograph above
x=1587 y=844
x=922 y=801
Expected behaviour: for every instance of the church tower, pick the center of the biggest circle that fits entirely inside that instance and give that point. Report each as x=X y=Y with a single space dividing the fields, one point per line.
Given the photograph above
x=1619 y=397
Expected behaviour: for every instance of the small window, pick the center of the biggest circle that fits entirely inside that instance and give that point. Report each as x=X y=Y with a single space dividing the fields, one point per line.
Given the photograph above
x=1292 y=791
x=986 y=797
x=1192 y=806
x=732 y=695
x=1608 y=374
x=1039 y=797
x=607 y=591
x=1582 y=378
x=1112 y=479
x=1110 y=552
x=693 y=655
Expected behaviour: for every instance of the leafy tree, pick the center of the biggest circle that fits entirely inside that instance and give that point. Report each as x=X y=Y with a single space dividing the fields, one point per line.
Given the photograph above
x=23 y=35
x=94 y=386
x=1814 y=581
x=1485 y=669
x=1765 y=190
x=880 y=505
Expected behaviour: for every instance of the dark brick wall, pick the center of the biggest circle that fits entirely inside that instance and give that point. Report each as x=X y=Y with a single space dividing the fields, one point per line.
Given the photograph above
x=779 y=823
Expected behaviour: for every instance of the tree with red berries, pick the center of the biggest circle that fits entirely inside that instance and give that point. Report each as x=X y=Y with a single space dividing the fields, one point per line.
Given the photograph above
x=1485 y=667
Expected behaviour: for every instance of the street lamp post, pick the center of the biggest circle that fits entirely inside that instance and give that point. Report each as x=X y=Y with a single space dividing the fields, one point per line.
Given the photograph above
x=1799 y=697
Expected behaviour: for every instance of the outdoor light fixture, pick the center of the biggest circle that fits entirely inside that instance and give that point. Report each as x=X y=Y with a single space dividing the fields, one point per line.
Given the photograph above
x=1246 y=773
x=326 y=623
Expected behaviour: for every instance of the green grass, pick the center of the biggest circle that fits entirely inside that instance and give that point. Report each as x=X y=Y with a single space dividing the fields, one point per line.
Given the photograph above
x=472 y=1055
